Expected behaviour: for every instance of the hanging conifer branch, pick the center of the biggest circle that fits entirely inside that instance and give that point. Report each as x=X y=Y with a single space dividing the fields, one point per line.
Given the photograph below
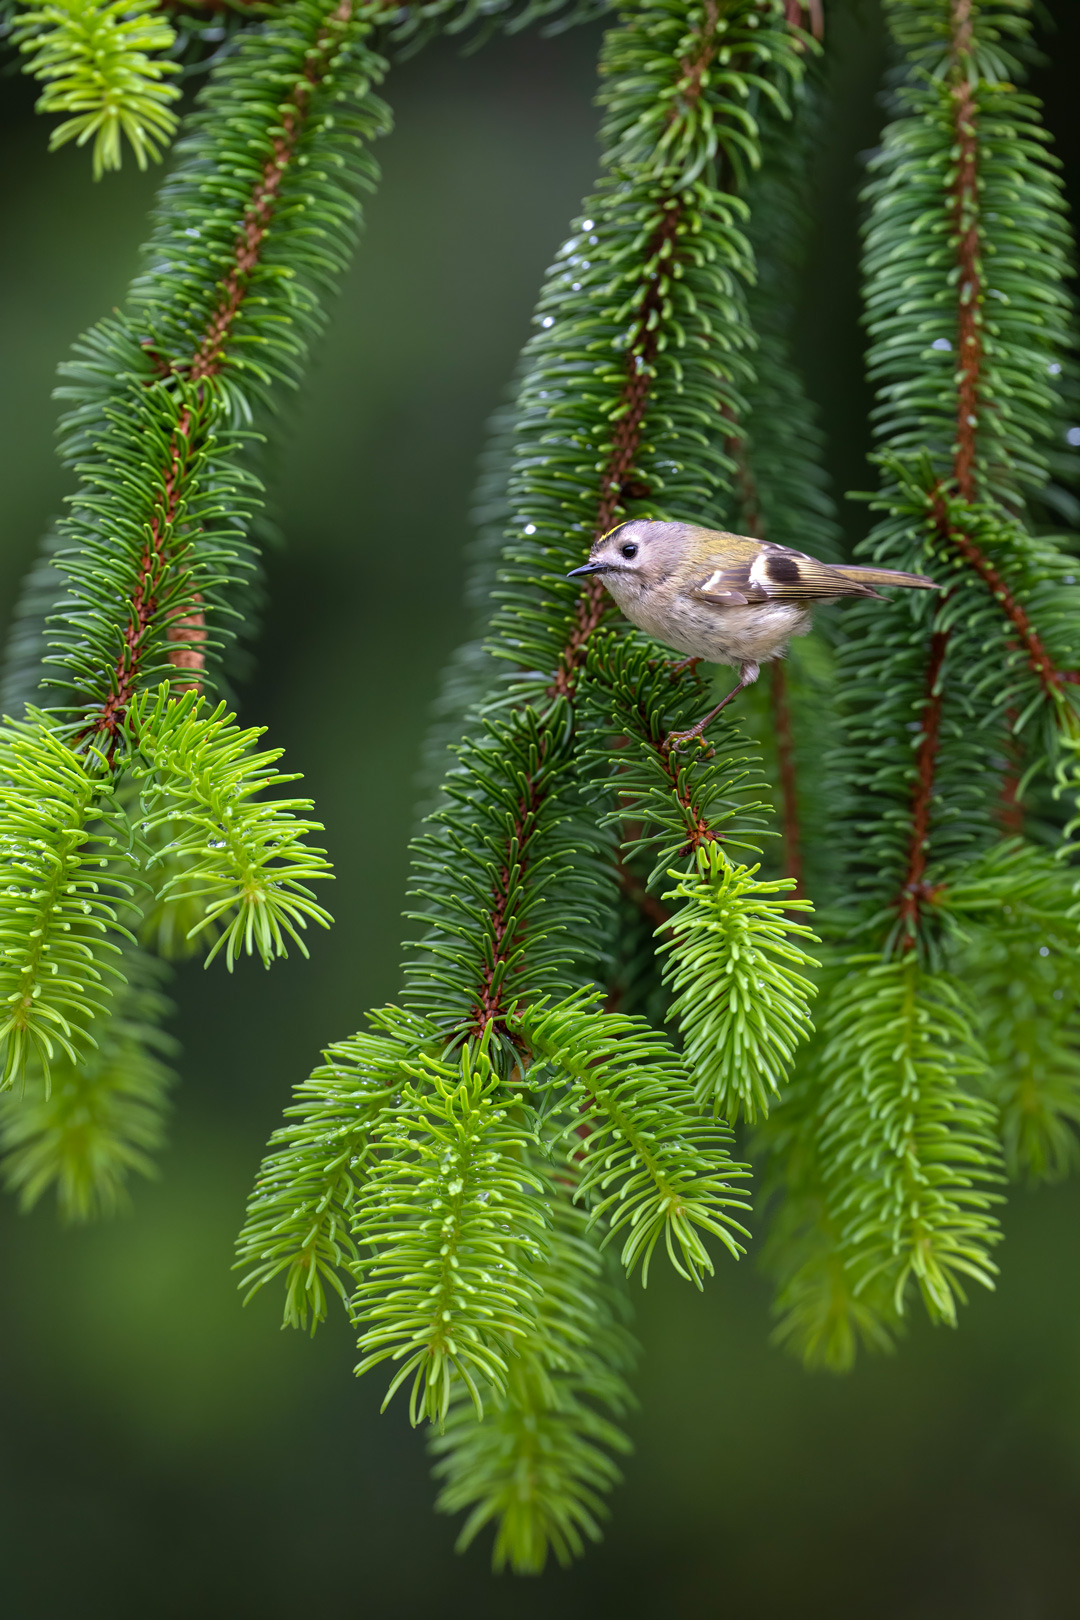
x=173 y=581
x=968 y=337
x=106 y=64
x=149 y=580
x=642 y=343
x=778 y=492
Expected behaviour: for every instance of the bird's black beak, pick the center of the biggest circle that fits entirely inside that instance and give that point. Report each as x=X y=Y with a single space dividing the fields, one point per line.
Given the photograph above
x=588 y=568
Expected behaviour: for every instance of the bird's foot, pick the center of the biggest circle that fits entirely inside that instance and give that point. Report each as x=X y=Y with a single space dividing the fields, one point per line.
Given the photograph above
x=675 y=739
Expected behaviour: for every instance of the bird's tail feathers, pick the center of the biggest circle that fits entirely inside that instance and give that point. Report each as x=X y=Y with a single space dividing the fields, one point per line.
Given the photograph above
x=885 y=576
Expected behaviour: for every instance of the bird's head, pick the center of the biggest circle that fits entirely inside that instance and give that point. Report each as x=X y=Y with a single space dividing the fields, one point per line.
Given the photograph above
x=641 y=553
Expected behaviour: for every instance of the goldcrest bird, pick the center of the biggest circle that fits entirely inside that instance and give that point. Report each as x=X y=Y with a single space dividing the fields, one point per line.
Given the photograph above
x=723 y=597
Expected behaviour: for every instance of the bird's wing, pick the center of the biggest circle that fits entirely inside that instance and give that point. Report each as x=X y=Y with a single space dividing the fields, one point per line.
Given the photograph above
x=729 y=586
x=775 y=574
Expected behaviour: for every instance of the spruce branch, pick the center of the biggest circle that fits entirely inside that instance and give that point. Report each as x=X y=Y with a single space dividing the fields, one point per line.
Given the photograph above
x=651 y=1164
x=450 y=1213
x=779 y=491
x=244 y=860
x=253 y=226
x=969 y=334
x=499 y=873
x=740 y=1012
x=911 y=1155
x=677 y=806
x=642 y=346
x=821 y=1315
x=67 y=877
x=740 y=1005
x=885 y=1157
x=540 y=1461
x=300 y=1215
x=152 y=574
x=92 y=1123
x=976 y=392
x=103 y=64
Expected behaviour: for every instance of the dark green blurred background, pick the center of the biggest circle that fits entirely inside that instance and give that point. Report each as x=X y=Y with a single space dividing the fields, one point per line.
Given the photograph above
x=162 y=1451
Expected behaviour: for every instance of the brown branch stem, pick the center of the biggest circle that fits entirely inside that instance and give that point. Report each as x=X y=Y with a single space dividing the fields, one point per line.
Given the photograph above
x=489 y=1006
x=965 y=221
x=1051 y=678
x=618 y=484
x=186 y=628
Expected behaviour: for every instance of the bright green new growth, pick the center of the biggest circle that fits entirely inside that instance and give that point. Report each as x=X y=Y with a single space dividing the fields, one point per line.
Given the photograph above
x=740 y=1006
x=99 y=1119
x=540 y=1463
x=300 y=1218
x=909 y=1150
x=451 y=1216
x=67 y=876
x=649 y=1164
x=241 y=860
x=93 y=60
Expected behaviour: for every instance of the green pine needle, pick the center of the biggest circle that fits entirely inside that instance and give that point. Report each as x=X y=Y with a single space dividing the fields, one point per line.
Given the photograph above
x=67 y=875
x=300 y=1219
x=652 y=1165
x=909 y=1149
x=538 y=1464
x=451 y=1214
x=102 y=64
x=740 y=1006
x=243 y=858
x=100 y=1119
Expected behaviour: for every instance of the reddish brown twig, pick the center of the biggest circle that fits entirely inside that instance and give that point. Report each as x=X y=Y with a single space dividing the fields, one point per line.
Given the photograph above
x=186 y=628
x=795 y=10
x=152 y=569
x=506 y=929
x=593 y=604
x=964 y=205
x=1051 y=678
x=969 y=404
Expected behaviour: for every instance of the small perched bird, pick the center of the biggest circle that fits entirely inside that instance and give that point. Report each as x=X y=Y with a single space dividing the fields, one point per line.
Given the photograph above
x=723 y=597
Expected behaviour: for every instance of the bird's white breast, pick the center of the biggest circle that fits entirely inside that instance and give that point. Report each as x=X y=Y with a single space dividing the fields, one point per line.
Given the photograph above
x=722 y=635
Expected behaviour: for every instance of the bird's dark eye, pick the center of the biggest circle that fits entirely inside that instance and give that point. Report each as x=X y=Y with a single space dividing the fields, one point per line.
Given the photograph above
x=629 y=550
